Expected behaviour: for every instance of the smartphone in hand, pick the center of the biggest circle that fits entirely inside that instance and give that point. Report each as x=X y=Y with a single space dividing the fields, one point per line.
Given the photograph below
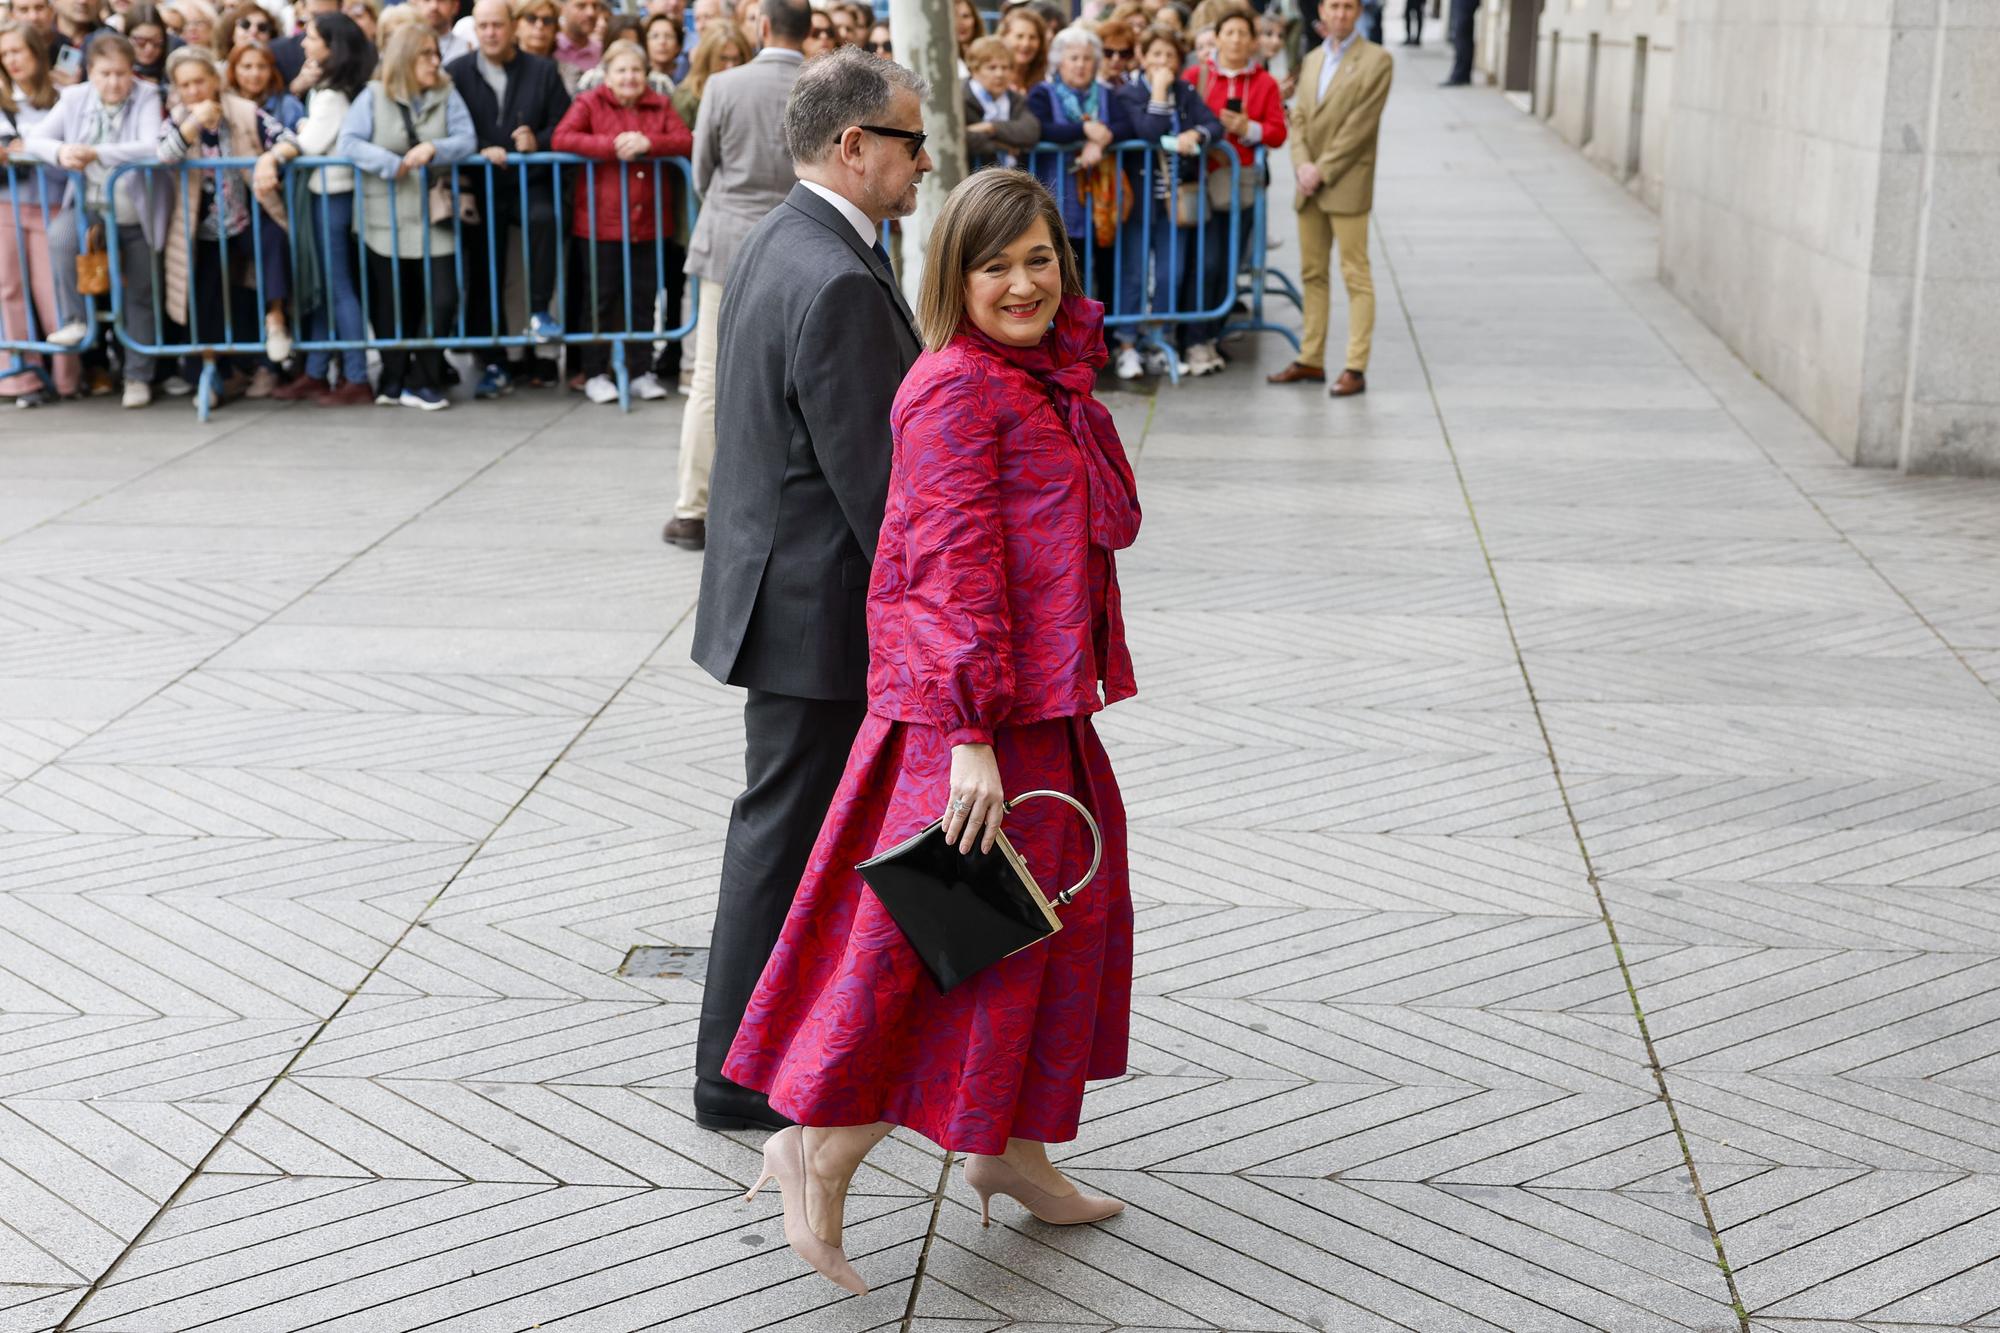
x=1233 y=104
x=69 y=60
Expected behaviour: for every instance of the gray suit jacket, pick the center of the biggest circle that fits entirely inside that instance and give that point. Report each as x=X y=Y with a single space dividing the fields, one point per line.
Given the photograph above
x=741 y=166
x=813 y=343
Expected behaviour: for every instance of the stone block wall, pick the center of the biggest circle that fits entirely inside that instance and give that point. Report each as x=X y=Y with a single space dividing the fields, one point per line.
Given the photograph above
x=1831 y=206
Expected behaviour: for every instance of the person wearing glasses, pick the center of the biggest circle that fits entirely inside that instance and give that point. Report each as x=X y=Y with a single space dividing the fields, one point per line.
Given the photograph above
x=407 y=129
x=1120 y=38
x=878 y=43
x=151 y=43
x=813 y=341
x=535 y=24
x=741 y=171
x=242 y=23
x=822 y=38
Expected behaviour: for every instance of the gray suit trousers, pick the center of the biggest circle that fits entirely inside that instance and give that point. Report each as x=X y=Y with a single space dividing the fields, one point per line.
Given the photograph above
x=794 y=753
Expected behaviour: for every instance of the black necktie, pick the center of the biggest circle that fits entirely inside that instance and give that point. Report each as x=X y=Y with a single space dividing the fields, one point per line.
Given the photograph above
x=882 y=253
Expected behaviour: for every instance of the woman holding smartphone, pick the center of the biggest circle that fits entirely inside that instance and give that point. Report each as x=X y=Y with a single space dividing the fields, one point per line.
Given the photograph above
x=1251 y=108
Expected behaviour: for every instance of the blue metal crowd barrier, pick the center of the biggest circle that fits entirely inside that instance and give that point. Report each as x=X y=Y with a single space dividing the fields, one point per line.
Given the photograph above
x=564 y=170
x=1148 y=305
x=1243 y=273
x=33 y=202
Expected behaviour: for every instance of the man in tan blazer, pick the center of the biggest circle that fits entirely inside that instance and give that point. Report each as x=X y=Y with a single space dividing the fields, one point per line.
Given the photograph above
x=1336 y=116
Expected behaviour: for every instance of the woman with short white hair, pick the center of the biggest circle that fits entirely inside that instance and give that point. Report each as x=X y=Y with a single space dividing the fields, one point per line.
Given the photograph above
x=1076 y=107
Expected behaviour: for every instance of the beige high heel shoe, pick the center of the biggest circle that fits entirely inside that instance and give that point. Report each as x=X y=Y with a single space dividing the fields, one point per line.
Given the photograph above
x=989 y=1176
x=785 y=1162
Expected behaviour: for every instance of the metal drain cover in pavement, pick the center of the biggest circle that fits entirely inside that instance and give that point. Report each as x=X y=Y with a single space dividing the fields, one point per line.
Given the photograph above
x=665 y=961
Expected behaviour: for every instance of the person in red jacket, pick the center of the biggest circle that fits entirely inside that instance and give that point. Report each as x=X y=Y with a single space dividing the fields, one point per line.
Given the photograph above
x=622 y=215
x=1250 y=105
x=994 y=634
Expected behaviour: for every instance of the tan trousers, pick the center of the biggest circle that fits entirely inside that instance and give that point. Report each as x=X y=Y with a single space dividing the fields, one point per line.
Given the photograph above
x=698 y=417
x=1319 y=232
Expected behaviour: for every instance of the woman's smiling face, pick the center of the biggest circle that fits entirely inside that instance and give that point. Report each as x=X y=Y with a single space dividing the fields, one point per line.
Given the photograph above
x=1013 y=296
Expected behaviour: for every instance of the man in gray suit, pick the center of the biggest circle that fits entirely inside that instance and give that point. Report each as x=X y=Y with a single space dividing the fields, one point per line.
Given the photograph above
x=741 y=171
x=814 y=341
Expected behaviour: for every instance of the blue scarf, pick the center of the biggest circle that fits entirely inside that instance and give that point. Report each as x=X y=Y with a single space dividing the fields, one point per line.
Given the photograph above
x=1075 y=109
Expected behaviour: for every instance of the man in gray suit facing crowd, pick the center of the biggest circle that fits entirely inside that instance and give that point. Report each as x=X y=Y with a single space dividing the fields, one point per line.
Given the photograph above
x=814 y=341
x=742 y=171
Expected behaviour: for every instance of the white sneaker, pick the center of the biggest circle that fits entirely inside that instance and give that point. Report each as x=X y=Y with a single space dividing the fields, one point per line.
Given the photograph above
x=648 y=387
x=177 y=386
x=1128 y=363
x=138 y=393
x=1202 y=360
x=277 y=341
x=601 y=389
x=1156 y=363
x=70 y=334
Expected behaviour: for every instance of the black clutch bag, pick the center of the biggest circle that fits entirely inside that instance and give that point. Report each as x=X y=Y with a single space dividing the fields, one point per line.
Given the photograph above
x=963 y=910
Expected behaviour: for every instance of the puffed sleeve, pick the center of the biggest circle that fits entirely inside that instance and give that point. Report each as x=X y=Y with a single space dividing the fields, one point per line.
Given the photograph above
x=955 y=602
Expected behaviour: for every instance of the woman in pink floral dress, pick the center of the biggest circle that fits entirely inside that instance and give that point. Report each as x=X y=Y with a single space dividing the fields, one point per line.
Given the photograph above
x=994 y=633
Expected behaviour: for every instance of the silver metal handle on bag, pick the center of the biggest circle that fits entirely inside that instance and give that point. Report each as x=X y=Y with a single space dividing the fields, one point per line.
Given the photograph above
x=1096 y=839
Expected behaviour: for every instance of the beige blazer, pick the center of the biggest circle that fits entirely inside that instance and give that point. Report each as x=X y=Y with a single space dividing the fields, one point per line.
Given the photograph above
x=1339 y=134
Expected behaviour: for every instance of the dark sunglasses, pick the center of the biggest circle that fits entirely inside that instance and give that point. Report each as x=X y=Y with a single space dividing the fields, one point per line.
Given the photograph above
x=1117 y=53
x=261 y=29
x=823 y=31
x=916 y=137
x=540 y=20
x=876 y=48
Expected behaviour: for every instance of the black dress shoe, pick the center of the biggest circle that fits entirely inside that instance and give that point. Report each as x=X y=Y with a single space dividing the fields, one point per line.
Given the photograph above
x=726 y=1106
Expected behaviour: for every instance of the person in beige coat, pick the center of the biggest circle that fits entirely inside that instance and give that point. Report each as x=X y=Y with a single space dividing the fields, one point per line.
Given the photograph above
x=1343 y=83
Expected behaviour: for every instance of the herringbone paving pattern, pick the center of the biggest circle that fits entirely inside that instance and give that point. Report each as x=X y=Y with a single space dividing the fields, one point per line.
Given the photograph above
x=1564 y=679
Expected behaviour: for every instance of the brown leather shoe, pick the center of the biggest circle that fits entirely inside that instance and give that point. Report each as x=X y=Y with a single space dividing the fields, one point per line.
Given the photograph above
x=690 y=534
x=1297 y=372
x=1350 y=383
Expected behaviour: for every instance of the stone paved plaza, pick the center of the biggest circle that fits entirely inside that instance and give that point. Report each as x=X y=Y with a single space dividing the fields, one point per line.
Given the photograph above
x=1566 y=819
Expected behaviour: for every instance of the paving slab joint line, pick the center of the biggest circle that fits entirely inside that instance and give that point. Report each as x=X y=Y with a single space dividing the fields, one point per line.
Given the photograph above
x=1569 y=811
x=256 y=1103
x=930 y=1234
x=1991 y=687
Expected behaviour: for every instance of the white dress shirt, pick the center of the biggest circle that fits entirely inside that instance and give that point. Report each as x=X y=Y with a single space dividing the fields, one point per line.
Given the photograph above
x=846 y=208
x=1331 y=64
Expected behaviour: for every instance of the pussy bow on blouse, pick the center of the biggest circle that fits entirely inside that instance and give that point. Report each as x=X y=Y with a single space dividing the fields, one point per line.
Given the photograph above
x=994 y=597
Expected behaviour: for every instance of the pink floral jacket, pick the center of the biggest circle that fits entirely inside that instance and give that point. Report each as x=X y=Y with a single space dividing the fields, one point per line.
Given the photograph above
x=994 y=597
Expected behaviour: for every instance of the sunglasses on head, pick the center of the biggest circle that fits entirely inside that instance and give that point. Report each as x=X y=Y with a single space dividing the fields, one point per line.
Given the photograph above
x=915 y=137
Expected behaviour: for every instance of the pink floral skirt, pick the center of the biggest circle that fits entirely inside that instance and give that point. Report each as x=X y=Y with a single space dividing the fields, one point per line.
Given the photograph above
x=847 y=1028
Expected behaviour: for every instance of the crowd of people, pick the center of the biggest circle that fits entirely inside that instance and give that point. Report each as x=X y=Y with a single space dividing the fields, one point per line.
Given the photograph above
x=433 y=100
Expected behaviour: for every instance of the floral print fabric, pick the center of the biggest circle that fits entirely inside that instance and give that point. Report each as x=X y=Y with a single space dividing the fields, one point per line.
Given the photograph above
x=846 y=1026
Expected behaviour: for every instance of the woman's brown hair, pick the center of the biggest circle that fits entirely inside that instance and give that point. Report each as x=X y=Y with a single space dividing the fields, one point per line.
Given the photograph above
x=41 y=97
x=276 y=82
x=987 y=213
x=223 y=39
x=399 y=61
x=1038 y=70
x=718 y=34
x=1159 y=32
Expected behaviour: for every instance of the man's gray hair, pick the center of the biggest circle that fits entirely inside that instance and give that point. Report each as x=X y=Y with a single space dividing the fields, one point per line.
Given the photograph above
x=840 y=89
x=1072 y=37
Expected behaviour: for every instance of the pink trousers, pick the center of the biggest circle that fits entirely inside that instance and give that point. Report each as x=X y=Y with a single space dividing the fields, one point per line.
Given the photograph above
x=24 y=262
